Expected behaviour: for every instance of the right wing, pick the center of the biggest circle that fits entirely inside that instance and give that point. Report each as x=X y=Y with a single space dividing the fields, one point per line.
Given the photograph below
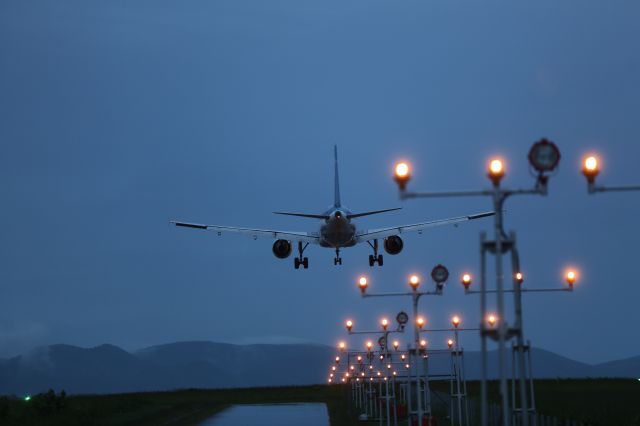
x=255 y=233
x=416 y=227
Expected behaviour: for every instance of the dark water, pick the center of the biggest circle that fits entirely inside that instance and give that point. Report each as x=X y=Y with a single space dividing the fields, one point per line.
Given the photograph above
x=311 y=414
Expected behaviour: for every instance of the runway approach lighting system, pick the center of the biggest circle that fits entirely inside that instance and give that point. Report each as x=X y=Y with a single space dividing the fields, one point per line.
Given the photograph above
x=402 y=175
x=414 y=282
x=590 y=168
x=455 y=321
x=492 y=320
x=402 y=318
x=363 y=283
x=466 y=281
x=571 y=278
x=496 y=171
x=440 y=274
x=544 y=156
x=384 y=323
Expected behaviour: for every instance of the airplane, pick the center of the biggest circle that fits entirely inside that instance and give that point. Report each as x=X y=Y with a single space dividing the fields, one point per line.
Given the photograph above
x=336 y=231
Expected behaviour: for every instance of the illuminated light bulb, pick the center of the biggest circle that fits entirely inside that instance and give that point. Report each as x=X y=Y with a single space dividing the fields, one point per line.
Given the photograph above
x=384 y=323
x=363 y=283
x=492 y=320
x=402 y=170
x=455 y=321
x=414 y=281
x=349 y=325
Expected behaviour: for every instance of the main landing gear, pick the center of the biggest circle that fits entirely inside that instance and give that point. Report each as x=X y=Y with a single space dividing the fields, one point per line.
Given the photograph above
x=299 y=260
x=338 y=259
x=375 y=257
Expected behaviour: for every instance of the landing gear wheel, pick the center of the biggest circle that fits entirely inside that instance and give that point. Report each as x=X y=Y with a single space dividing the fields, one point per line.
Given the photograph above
x=380 y=261
x=305 y=262
x=372 y=261
x=296 y=263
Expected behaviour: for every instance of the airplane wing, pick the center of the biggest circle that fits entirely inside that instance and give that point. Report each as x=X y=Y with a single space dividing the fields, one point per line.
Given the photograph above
x=255 y=233
x=416 y=227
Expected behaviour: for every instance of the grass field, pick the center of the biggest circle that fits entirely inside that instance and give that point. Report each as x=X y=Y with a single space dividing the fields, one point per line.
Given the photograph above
x=598 y=402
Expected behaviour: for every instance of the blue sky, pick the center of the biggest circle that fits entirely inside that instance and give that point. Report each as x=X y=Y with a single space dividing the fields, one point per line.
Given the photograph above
x=118 y=116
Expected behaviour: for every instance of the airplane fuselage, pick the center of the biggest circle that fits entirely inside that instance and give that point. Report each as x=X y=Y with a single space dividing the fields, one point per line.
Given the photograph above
x=337 y=231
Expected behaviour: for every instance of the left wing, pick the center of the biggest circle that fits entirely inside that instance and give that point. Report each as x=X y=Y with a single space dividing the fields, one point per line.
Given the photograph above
x=255 y=233
x=387 y=232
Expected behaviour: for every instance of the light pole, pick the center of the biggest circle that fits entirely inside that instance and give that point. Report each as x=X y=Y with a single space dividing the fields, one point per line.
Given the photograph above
x=591 y=169
x=439 y=274
x=466 y=280
x=543 y=157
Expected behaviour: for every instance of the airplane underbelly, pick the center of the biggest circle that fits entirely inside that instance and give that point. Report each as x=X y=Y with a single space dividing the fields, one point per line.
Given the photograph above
x=338 y=236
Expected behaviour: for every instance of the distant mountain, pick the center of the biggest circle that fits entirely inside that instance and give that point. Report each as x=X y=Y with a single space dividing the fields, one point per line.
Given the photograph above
x=109 y=369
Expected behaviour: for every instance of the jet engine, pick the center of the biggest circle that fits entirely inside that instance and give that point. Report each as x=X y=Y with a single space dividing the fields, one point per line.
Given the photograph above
x=393 y=244
x=282 y=249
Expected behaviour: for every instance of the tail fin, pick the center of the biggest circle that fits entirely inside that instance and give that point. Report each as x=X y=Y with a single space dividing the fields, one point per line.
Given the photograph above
x=336 y=201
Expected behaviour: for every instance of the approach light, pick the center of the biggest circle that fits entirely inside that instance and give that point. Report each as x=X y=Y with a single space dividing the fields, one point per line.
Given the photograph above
x=544 y=156
x=455 y=321
x=440 y=274
x=333 y=368
x=466 y=281
x=571 y=278
x=402 y=318
x=492 y=320
x=590 y=168
x=337 y=360
x=369 y=345
x=420 y=321
x=384 y=323
x=396 y=345
x=342 y=346
x=423 y=343
x=349 y=325
x=352 y=367
x=402 y=174
x=403 y=356
x=359 y=359
x=27 y=398
x=414 y=282
x=363 y=283
x=519 y=277
x=407 y=366
x=450 y=343
x=496 y=171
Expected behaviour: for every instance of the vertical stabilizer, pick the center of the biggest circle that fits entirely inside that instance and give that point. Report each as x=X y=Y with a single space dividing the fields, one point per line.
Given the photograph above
x=336 y=201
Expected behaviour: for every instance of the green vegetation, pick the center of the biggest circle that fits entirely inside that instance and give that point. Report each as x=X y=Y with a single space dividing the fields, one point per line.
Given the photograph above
x=179 y=408
x=597 y=402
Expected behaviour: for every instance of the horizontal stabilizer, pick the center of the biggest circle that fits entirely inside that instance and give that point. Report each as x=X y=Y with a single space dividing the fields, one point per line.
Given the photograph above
x=354 y=215
x=190 y=225
x=311 y=216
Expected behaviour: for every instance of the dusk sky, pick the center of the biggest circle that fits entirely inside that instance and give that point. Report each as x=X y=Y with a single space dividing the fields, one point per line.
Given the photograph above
x=118 y=116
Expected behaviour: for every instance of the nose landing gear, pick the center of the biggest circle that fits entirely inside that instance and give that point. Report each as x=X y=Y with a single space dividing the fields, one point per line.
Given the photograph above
x=338 y=259
x=299 y=260
x=375 y=257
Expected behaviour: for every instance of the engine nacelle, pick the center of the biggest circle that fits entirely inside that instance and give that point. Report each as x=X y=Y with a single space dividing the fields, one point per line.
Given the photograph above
x=281 y=249
x=393 y=244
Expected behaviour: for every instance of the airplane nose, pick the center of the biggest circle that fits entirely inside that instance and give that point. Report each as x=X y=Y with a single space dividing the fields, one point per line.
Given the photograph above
x=338 y=214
